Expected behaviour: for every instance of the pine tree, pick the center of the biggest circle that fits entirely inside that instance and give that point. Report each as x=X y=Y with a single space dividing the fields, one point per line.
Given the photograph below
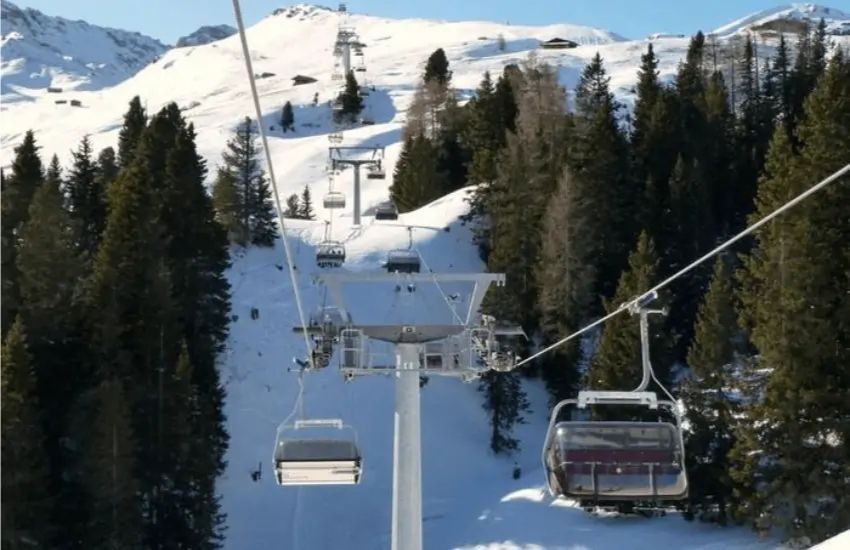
x=505 y=401
x=116 y=513
x=790 y=471
x=287 y=118
x=241 y=160
x=416 y=181
x=18 y=189
x=437 y=69
x=567 y=275
x=305 y=210
x=616 y=365
x=599 y=153
x=135 y=121
x=107 y=171
x=25 y=486
x=53 y=176
x=293 y=207
x=228 y=206
x=350 y=99
x=264 y=231
x=711 y=408
x=86 y=197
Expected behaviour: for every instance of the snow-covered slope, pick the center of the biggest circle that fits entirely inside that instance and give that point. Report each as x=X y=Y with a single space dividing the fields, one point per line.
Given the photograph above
x=39 y=51
x=784 y=18
x=470 y=500
x=205 y=35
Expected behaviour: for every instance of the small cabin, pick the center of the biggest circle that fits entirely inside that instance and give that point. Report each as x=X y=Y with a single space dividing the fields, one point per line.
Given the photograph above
x=76 y=103
x=54 y=90
x=558 y=44
x=300 y=79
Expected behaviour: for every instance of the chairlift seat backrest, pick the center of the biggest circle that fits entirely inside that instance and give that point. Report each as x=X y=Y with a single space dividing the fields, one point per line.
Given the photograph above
x=302 y=460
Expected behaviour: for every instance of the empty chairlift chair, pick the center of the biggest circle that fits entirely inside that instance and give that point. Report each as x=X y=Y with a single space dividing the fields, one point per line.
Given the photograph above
x=317 y=452
x=386 y=211
x=330 y=254
x=334 y=200
x=403 y=260
x=595 y=461
x=375 y=172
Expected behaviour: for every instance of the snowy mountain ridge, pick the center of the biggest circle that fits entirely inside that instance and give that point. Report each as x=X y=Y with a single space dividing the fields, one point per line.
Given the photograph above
x=787 y=18
x=39 y=50
x=205 y=35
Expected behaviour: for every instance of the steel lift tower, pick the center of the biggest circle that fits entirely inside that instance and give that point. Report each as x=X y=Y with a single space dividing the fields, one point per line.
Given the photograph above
x=465 y=350
x=371 y=157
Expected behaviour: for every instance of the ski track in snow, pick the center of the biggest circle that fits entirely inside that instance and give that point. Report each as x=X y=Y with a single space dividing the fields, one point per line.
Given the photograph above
x=470 y=499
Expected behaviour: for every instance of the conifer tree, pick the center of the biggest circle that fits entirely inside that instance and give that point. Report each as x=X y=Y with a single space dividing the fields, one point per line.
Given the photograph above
x=505 y=401
x=305 y=210
x=135 y=120
x=228 y=206
x=53 y=175
x=241 y=160
x=264 y=231
x=25 y=486
x=107 y=171
x=599 y=153
x=18 y=189
x=711 y=408
x=416 y=181
x=437 y=68
x=287 y=118
x=786 y=463
x=567 y=275
x=86 y=197
x=351 y=100
x=293 y=207
x=616 y=365
x=116 y=509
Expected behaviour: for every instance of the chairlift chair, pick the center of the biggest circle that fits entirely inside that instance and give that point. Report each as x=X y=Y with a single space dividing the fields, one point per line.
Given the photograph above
x=627 y=460
x=375 y=172
x=330 y=459
x=608 y=461
x=334 y=200
x=330 y=254
x=403 y=260
x=386 y=211
x=360 y=69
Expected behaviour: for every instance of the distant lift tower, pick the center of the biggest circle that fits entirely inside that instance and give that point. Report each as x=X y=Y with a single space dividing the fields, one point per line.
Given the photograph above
x=346 y=42
x=371 y=157
x=465 y=350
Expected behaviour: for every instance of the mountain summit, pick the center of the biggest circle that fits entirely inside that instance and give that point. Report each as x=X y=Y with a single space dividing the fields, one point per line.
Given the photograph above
x=39 y=50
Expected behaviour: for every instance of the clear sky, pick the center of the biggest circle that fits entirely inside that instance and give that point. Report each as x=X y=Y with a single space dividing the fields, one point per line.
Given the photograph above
x=167 y=20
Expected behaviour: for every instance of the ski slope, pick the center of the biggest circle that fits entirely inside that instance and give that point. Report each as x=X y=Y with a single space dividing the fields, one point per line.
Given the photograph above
x=470 y=500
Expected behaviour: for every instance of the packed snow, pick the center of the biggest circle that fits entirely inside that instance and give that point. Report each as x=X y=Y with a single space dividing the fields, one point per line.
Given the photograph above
x=470 y=498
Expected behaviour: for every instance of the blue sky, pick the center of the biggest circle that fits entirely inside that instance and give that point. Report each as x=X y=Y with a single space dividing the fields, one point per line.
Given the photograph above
x=169 y=19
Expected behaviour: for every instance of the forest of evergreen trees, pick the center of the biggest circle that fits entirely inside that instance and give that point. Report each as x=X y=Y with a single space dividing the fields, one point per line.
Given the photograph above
x=586 y=208
x=115 y=306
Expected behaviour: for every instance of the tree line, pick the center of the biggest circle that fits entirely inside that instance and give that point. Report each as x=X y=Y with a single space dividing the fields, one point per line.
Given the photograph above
x=115 y=308
x=586 y=208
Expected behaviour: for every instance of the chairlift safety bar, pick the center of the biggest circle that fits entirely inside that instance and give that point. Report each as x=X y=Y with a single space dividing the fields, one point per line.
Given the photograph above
x=319 y=423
